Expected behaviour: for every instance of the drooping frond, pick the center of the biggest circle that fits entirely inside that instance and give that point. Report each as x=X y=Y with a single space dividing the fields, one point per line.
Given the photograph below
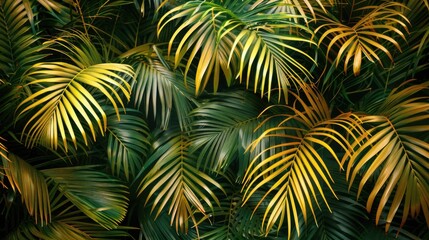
x=158 y=90
x=64 y=102
x=174 y=184
x=18 y=47
x=103 y=199
x=236 y=40
x=364 y=37
x=31 y=185
x=295 y=170
x=395 y=155
x=347 y=218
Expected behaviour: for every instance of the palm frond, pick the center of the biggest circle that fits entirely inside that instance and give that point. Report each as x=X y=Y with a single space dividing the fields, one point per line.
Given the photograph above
x=232 y=219
x=127 y=143
x=229 y=41
x=72 y=226
x=173 y=182
x=298 y=7
x=61 y=10
x=145 y=6
x=295 y=170
x=104 y=198
x=158 y=87
x=364 y=38
x=31 y=185
x=159 y=228
x=64 y=100
x=18 y=46
x=224 y=127
x=395 y=155
x=348 y=218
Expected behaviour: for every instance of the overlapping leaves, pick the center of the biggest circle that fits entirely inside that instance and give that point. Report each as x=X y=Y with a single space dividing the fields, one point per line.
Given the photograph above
x=159 y=88
x=363 y=37
x=127 y=143
x=223 y=127
x=18 y=48
x=103 y=199
x=65 y=102
x=31 y=185
x=395 y=156
x=228 y=39
x=174 y=184
x=293 y=175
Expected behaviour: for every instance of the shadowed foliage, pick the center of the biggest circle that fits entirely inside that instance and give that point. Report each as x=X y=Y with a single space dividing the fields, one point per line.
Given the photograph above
x=215 y=119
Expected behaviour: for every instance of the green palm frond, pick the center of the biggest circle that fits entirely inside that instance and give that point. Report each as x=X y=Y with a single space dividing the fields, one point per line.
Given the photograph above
x=232 y=219
x=103 y=199
x=395 y=155
x=348 y=218
x=295 y=170
x=158 y=87
x=127 y=143
x=64 y=100
x=31 y=185
x=174 y=184
x=224 y=127
x=160 y=228
x=366 y=37
x=228 y=41
x=18 y=46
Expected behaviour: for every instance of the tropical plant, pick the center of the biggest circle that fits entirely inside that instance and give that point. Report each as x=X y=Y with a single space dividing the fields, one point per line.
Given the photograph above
x=298 y=119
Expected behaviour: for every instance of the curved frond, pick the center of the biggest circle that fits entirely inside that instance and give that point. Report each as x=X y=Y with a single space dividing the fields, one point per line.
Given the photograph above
x=295 y=170
x=223 y=128
x=103 y=199
x=367 y=36
x=159 y=88
x=174 y=184
x=230 y=41
x=65 y=101
x=18 y=48
x=127 y=143
x=395 y=156
x=31 y=184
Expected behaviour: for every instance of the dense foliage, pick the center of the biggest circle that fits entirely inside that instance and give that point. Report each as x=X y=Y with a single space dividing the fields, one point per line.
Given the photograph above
x=250 y=119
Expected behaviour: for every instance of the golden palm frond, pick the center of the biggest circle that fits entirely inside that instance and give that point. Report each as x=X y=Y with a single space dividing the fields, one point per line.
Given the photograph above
x=366 y=37
x=229 y=41
x=295 y=171
x=396 y=156
x=31 y=184
x=65 y=101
